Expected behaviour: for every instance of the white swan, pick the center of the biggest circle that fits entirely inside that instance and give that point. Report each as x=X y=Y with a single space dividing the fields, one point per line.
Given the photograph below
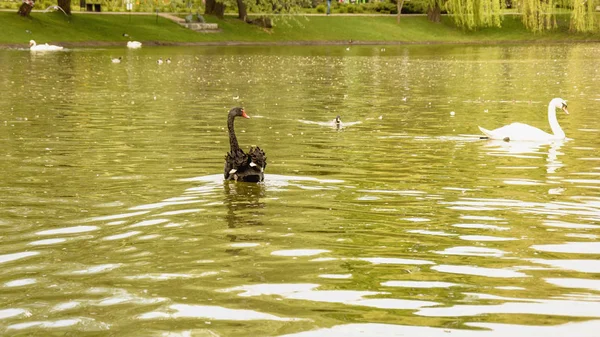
x=520 y=131
x=134 y=44
x=117 y=60
x=160 y=61
x=43 y=47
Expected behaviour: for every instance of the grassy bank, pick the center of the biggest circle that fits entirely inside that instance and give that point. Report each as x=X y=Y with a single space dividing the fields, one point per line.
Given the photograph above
x=87 y=29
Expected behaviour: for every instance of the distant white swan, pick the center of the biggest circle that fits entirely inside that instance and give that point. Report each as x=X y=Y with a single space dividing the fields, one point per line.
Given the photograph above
x=134 y=44
x=520 y=131
x=160 y=61
x=117 y=60
x=43 y=47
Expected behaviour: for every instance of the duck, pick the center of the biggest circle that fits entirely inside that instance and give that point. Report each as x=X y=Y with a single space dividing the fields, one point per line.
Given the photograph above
x=337 y=122
x=134 y=44
x=524 y=132
x=241 y=166
x=43 y=47
x=160 y=61
x=116 y=60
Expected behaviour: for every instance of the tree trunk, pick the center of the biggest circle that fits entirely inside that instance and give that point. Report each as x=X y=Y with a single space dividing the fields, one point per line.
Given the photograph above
x=400 y=3
x=65 y=5
x=212 y=7
x=434 y=14
x=220 y=10
x=26 y=8
x=242 y=11
x=209 y=6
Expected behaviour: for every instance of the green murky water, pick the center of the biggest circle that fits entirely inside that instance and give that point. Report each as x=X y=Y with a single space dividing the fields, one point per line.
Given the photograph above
x=114 y=219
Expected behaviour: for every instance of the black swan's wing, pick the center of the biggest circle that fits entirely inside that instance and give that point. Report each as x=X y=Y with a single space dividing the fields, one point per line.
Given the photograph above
x=235 y=160
x=258 y=157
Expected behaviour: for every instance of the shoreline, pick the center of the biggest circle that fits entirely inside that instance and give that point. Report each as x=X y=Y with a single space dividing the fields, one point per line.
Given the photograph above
x=91 y=44
x=114 y=30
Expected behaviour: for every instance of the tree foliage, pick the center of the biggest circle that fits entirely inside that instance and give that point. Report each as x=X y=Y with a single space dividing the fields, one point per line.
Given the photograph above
x=583 y=16
x=475 y=13
x=537 y=15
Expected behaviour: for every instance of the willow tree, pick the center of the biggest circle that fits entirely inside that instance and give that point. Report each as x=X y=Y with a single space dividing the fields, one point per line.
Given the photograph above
x=434 y=9
x=538 y=15
x=583 y=16
x=471 y=14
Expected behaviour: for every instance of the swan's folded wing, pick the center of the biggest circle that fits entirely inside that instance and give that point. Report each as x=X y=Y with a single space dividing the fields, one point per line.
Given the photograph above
x=258 y=157
x=236 y=160
x=486 y=131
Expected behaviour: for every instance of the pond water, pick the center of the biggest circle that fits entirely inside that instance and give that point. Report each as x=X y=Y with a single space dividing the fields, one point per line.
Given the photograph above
x=114 y=218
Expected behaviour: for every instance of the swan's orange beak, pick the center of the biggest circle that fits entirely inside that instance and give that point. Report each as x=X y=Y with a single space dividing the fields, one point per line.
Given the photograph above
x=564 y=108
x=244 y=114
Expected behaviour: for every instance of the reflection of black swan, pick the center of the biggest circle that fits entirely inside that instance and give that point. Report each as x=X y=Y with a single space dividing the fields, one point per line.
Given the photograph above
x=239 y=165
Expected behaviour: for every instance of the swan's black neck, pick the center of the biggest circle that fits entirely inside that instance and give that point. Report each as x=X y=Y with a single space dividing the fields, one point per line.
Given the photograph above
x=233 y=143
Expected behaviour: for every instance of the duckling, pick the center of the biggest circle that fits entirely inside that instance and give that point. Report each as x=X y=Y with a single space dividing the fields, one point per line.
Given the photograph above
x=337 y=122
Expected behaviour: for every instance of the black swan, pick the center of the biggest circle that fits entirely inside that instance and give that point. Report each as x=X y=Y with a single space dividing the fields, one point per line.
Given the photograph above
x=239 y=165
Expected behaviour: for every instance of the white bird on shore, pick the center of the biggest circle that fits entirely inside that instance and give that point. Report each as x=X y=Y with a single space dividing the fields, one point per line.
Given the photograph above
x=116 y=60
x=520 y=131
x=134 y=44
x=43 y=47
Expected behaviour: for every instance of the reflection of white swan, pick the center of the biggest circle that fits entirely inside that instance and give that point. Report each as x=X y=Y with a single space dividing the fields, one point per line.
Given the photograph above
x=134 y=44
x=525 y=149
x=43 y=47
x=514 y=149
x=520 y=131
x=553 y=163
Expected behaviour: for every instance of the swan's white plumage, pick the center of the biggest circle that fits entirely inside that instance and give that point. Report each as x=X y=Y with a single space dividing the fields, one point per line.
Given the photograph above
x=134 y=44
x=43 y=47
x=517 y=131
x=520 y=131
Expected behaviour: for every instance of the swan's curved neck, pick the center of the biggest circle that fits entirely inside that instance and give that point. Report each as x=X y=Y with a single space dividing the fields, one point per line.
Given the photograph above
x=233 y=143
x=556 y=129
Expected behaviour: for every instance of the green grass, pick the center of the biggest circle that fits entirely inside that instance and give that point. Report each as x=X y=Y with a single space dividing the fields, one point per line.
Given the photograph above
x=84 y=28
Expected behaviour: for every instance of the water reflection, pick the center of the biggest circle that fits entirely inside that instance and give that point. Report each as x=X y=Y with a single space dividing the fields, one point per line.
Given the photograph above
x=584 y=329
x=240 y=197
